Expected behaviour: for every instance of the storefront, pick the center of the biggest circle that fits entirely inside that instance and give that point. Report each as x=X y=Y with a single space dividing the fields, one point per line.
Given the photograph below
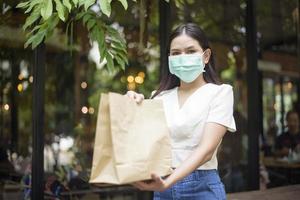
x=256 y=44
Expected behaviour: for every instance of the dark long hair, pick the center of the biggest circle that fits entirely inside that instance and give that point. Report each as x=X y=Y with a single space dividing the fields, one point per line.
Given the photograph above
x=168 y=80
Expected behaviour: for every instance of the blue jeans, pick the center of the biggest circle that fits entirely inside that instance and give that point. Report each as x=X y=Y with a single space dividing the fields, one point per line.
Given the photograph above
x=201 y=184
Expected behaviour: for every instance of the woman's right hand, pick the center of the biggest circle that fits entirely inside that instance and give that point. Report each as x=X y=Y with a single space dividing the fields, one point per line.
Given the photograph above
x=137 y=97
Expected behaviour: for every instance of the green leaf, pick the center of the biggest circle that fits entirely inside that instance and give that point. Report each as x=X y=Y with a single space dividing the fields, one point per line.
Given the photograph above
x=38 y=39
x=60 y=10
x=31 y=18
x=29 y=41
x=23 y=4
x=80 y=15
x=119 y=47
x=51 y=24
x=91 y=23
x=85 y=18
x=120 y=61
x=33 y=3
x=179 y=3
x=102 y=51
x=44 y=31
x=105 y=7
x=67 y=4
x=35 y=39
x=75 y=2
x=115 y=35
x=123 y=57
x=81 y=2
x=88 y=3
x=110 y=63
x=47 y=9
x=120 y=55
x=98 y=35
x=33 y=30
x=117 y=38
x=118 y=43
x=124 y=3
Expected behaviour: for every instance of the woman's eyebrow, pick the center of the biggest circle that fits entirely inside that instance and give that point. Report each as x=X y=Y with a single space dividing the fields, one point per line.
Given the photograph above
x=190 y=47
x=174 y=49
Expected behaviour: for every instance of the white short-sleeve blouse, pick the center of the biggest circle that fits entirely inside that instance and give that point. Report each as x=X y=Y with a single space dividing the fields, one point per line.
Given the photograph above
x=209 y=103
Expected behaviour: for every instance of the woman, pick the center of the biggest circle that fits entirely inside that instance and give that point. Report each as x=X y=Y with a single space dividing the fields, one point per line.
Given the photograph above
x=199 y=111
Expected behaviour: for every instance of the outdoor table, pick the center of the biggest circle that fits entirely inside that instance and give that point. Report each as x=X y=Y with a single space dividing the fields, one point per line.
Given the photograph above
x=287 y=193
x=289 y=170
x=280 y=163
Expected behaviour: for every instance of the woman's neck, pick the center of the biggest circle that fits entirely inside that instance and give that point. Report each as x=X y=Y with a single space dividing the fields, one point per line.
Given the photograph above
x=193 y=85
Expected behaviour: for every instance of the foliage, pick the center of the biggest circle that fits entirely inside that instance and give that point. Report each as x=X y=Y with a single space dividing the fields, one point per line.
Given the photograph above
x=45 y=16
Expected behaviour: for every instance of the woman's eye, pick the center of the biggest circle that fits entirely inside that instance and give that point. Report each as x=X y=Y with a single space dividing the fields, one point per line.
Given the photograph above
x=175 y=53
x=191 y=51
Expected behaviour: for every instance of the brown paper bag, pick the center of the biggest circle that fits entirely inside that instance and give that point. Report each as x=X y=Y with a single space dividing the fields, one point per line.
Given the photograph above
x=132 y=141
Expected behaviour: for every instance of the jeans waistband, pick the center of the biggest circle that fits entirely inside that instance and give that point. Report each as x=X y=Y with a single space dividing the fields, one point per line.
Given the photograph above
x=202 y=174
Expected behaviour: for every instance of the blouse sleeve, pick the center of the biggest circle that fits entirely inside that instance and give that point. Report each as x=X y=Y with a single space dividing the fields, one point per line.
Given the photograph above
x=221 y=109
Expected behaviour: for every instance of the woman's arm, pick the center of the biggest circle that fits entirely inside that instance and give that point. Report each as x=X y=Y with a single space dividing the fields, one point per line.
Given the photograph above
x=212 y=136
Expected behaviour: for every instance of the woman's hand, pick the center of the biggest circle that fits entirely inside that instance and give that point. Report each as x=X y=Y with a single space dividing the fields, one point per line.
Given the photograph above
x=135 y=96
x=156 y=184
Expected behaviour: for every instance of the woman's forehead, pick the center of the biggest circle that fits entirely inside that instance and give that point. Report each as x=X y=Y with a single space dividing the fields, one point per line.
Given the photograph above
x=183 y=42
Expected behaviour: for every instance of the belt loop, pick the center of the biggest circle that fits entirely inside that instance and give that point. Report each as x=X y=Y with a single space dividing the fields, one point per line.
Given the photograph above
x=198 y=174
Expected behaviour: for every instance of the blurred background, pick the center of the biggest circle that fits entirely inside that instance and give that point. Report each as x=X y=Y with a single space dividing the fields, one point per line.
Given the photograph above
x=74 y=79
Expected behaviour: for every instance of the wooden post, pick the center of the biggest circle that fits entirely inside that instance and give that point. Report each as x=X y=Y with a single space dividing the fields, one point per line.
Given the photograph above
x=254 y=105
x=38 y=123
x=164 y=31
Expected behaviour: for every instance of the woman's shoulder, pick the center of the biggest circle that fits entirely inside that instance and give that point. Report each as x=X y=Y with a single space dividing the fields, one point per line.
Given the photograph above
x=223 y=86
x=219 y=88
x=219 y=91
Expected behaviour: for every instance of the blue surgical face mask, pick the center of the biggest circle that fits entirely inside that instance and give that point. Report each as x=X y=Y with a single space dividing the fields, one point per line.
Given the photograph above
x=187 y=67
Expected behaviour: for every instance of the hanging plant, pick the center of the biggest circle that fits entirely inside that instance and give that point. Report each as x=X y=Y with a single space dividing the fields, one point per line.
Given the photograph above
x=45 y=15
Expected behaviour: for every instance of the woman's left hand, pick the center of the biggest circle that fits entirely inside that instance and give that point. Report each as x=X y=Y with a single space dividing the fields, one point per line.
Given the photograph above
x=156 y=184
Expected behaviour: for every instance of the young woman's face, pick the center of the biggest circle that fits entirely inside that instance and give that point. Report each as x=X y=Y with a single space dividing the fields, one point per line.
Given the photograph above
x=184 y=44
